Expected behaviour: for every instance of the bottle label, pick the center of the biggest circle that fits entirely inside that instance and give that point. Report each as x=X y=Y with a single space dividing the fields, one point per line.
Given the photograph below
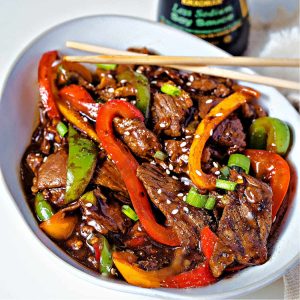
x=207 y=18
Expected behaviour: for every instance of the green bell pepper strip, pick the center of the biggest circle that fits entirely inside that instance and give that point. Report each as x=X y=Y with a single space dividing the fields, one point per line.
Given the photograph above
x=271 y=134
x=81 y=164
x=43 y=209
x=105 y=258
x=89 y=197
x=141 y=84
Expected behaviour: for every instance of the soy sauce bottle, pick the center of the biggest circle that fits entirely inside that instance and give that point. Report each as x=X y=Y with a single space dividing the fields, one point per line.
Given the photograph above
x=224 y=23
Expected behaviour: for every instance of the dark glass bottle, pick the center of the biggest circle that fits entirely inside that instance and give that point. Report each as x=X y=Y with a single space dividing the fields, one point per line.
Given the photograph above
x=224 y=23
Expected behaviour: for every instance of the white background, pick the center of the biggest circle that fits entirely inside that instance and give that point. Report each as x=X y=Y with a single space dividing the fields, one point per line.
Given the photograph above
x=26 y=272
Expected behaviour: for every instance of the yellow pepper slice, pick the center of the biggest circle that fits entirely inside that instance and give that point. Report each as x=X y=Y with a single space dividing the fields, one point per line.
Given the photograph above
x=205 y=130
x=147 y=279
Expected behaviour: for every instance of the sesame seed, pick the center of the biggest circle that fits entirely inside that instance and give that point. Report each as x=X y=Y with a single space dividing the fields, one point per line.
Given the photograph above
x=45 y=158
x=227 y=133
x=219 y=114
x=175 y=177
x=188 y=83
x=211 y=132
x=191 y=78
x=182 y=144
x=171 y=167
x=209 y=101
x=139 y=228
x=159 y=191
x=215 y=164
x=185 y=150
x=217 y=172
x=185 y=209
x=184 y=198
x=188 y=172
x=197 y=136
x=174 y=211
x=168 y=171
x=126 y=133
x=133 y=102
x=180 y=195
x=188 y=136
x=168 y=201
x=152 y=162
x=154 y=81
x=123 y=81
x=111 y=90
x=109 y=75
x=185 y=158
x=198 y=173
x=162 y=125
x=123 y=99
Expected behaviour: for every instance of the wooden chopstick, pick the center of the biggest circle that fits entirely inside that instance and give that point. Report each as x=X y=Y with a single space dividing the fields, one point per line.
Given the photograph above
x=187 y=60
x=271 y=81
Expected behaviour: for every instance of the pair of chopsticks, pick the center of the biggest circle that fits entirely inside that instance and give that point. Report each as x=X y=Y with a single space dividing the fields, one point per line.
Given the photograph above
x=193 y=64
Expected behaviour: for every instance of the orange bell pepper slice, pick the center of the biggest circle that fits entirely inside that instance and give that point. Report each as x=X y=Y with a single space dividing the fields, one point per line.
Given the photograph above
x=59 y=226
x=205 y=129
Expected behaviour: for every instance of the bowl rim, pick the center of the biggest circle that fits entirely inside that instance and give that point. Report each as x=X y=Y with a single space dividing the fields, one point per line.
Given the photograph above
x=112 y=283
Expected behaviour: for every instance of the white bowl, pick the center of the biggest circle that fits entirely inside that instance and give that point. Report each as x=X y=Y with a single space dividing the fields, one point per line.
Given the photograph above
x=18 y=111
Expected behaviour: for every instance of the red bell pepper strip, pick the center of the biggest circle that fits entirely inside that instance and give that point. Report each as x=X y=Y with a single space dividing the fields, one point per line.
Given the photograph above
x=80 y=100
x=127 y=166
x=275 y=169
x=208 y=241
x=45 y=79
x=201 y=275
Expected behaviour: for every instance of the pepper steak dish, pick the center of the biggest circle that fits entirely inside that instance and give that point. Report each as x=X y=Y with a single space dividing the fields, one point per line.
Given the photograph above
x=160 y=177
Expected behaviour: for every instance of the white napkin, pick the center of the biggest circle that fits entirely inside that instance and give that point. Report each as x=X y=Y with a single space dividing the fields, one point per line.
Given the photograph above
x=292 y=284
x=275 y=33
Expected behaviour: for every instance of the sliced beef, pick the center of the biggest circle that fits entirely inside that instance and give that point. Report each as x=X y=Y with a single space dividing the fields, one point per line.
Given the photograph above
x=244 y=226
x=169 y=113
x=252 y=111
x=109 y=176
x=206 y=103
x=53 y=172
x=34 y=161
x=204 y=84
x=163 y=191
x=106 y=216
x=230 y=134
x=142 y=141
x=178 y=152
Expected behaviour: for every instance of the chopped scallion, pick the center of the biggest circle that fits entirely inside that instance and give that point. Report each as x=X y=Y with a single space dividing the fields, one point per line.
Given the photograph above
x=160 y=155
x=107 y=67
x=224 y=172
x=239 y=160
x=170 y=89
x=210 y=203
x=195 y=199
x=61 y=128
x=225 y=184
x=129 y=212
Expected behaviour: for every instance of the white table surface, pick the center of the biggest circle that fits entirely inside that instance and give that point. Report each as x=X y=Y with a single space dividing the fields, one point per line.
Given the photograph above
x=25 y=271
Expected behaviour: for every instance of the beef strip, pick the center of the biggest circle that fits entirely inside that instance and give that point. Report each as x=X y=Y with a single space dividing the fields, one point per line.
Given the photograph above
x=178 y=152
x=230 y=134
x=206 y=103
x=107 y=175
x=163 y=191
x=168 y=113
x=244 y=226
x=137 y=137
x=34 y=161
x=106 y=216
x=53 y=172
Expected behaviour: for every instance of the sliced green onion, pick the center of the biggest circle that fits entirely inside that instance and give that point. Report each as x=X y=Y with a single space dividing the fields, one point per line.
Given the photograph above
x=105 y=258
x=239 y=160
x=170 y=89
x=210 y=203
x=195 y=199
x=160 y=155
x=89 y=197
x=107 y=67
x=61 y=128
x=225 y=171
x=43 y=209
x=225 y=184
x=129 y=212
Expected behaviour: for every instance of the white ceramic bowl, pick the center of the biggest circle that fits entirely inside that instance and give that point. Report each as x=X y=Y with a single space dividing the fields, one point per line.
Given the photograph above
x=18 y=111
